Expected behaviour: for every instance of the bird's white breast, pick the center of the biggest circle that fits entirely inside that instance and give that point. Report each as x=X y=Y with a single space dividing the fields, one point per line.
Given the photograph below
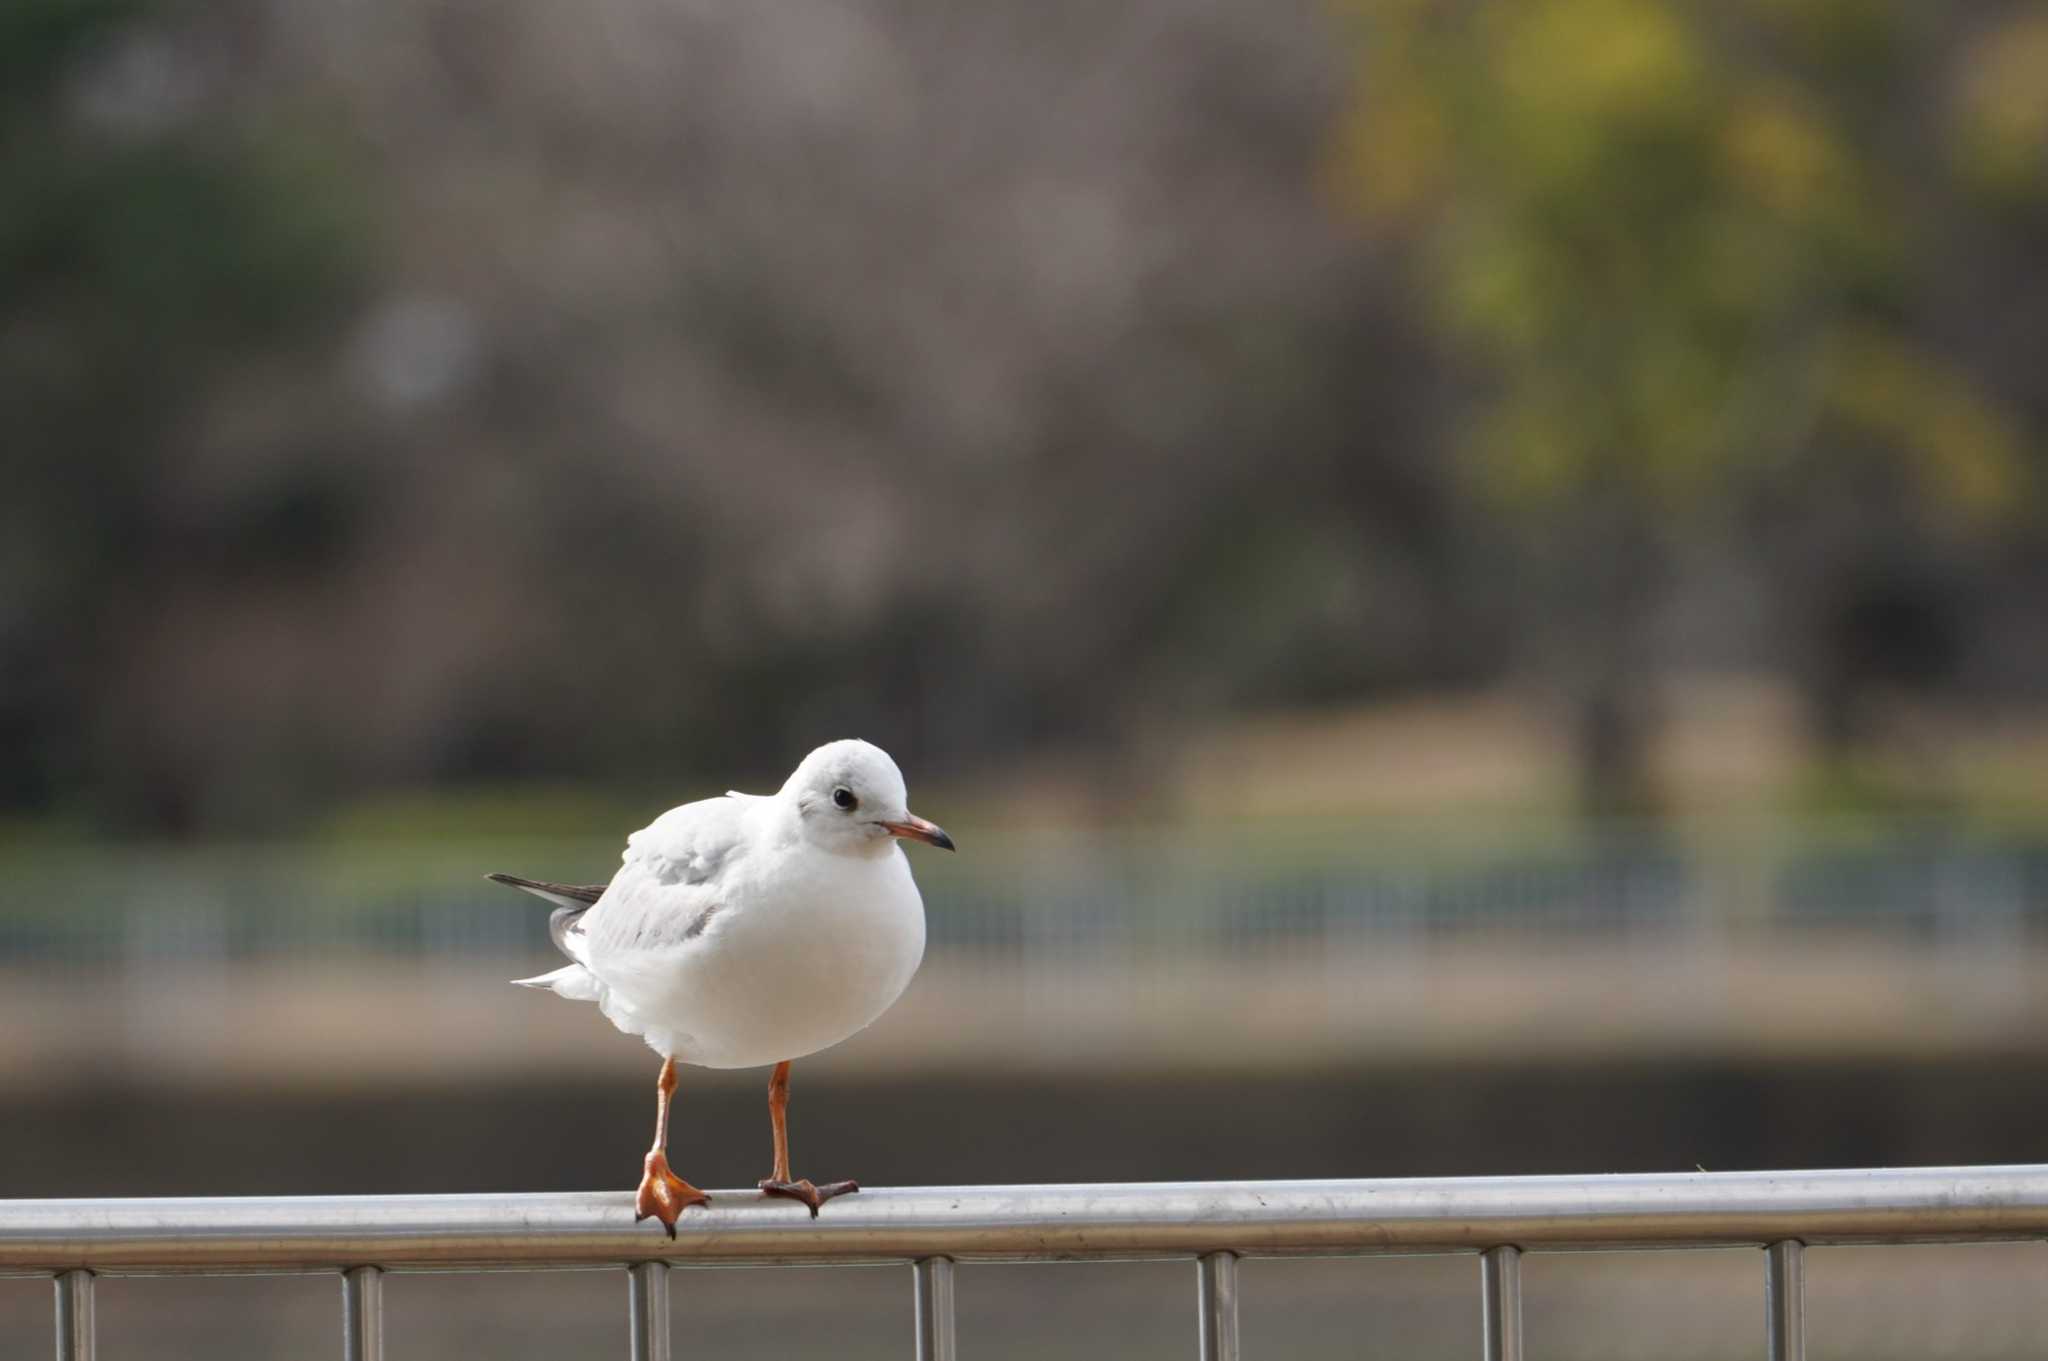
x=804 y=949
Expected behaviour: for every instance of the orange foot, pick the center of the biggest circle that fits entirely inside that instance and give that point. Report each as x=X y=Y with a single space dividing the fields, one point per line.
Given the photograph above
x=663 y=1194
x=813 y=1196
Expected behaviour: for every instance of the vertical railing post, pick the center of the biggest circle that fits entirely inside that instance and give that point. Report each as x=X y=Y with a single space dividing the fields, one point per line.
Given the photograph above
x=932 y=1296
x=1785 y=1301
x=75 y=1337
x=1500 y=1303
x=1216 y=1301
x=647 y=1310
x=362 y=1314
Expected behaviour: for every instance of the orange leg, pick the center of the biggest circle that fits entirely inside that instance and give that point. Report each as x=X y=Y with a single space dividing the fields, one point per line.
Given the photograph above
x=778 y=1182
x=662 y=1193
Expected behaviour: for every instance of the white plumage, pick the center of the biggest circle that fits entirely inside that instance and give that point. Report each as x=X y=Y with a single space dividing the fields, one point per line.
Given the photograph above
x=748 y=930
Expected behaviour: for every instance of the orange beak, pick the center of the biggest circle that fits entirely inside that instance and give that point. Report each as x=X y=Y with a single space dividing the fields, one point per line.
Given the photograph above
x=917 y=829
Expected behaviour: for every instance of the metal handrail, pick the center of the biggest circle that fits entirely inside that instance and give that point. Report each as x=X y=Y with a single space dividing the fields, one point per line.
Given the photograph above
x=1212 y=1223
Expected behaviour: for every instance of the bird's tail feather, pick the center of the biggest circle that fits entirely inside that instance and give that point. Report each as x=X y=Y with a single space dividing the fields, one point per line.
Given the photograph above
x=572 y=981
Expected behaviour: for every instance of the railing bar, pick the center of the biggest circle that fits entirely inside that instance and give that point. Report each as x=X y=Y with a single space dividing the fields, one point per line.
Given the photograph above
x=1785 y=1300
x=932 y=1295
x=1035 y=1223
x=1500 y=1303
x=647 y=1310
x=76 y=1338
x=362 y=1314
x=1216 y=1305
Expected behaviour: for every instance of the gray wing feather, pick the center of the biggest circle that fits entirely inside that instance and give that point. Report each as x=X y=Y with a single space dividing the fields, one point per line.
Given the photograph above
x=565 y=929
x=575 y=896
x=565 y=923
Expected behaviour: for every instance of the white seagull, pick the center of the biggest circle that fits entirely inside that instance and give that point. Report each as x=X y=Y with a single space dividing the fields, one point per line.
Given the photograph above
x=750 y=930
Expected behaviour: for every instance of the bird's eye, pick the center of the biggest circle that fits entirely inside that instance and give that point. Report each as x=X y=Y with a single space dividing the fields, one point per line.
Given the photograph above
x=842 y=797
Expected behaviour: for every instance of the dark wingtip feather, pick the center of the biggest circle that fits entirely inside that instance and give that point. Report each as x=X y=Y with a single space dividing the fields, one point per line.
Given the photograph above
x=568 y=895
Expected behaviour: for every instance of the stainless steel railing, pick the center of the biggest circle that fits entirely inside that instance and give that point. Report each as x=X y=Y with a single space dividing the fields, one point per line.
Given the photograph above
x=932 y=1228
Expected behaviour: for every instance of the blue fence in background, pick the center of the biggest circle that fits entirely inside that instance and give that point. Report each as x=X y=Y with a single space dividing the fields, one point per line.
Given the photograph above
x=109 y=907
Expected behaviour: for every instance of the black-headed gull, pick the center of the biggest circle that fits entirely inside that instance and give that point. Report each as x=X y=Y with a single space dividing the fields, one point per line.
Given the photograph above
x=750 y=930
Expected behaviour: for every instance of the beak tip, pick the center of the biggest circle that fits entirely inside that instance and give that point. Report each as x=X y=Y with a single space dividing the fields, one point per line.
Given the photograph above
x=918 y=829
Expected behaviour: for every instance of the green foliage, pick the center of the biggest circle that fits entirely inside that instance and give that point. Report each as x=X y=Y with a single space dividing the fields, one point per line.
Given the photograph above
x=201 y=231
x=152 y=238
x=1684 y=238
x=39 y=39
x=2001 y=112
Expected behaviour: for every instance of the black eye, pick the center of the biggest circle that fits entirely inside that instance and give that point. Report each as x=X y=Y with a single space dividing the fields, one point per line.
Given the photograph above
x=843 y=797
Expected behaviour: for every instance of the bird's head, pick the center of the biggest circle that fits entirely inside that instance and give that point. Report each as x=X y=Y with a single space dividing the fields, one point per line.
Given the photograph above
x=849 y=797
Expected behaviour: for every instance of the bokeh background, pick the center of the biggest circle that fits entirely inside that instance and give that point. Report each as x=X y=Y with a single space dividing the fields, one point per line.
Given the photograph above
x=1471 y=579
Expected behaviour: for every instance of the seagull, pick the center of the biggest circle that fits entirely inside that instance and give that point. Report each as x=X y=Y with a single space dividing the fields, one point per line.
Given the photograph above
x=750 y=930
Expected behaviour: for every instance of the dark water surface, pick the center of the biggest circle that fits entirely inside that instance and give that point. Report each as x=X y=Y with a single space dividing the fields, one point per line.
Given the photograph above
x=1358 y=1122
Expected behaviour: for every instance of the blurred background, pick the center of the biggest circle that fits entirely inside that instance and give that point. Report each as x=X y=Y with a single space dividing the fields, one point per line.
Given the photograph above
x=1469 y=578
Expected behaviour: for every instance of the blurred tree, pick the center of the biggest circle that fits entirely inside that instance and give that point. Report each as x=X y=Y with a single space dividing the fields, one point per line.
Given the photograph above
x=149 y=236
x=977 y=378
x=1684 y=246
